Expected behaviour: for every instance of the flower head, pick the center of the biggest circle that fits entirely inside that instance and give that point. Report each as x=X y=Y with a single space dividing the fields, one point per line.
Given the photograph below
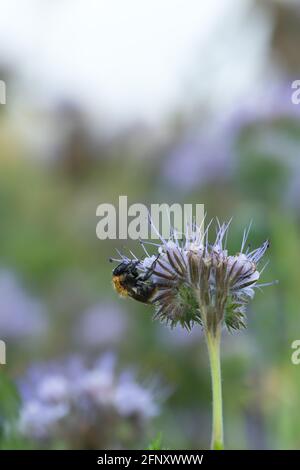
x=199 y=282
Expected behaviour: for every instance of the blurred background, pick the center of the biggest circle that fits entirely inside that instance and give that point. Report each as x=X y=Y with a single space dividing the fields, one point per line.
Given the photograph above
x=169 y=101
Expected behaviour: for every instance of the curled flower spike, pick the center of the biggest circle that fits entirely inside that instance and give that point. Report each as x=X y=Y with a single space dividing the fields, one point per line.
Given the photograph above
x=192 y=281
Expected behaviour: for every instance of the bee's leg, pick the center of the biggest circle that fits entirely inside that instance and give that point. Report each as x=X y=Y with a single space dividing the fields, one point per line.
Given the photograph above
x=146 y=276
x=150 y=271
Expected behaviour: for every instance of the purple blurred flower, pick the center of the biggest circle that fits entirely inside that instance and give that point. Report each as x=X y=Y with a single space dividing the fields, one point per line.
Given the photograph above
x=209 y=155
x=58 y=372
x=53 y=389
x=39 y=419
x=200 y=160
x=104 y=324
x=20 y=314
x=86 y=408
x=131 y=399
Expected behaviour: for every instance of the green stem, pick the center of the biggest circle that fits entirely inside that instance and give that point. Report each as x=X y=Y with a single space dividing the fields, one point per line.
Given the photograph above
x=213 y=344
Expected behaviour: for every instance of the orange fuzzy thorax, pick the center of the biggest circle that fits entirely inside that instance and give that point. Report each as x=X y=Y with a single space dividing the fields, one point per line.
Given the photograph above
x=117 y=283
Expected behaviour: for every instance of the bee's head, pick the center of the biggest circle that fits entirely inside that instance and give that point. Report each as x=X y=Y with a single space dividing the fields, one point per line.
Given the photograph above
x=125 y=267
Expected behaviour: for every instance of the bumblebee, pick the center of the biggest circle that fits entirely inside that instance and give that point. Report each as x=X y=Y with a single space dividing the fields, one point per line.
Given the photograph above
x=129 y=282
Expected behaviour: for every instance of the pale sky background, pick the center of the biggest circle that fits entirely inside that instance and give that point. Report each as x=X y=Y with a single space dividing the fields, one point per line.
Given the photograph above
x=134 y=60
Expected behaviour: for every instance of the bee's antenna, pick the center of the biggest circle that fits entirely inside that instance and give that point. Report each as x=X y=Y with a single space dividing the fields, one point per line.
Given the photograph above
x=121 y=256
